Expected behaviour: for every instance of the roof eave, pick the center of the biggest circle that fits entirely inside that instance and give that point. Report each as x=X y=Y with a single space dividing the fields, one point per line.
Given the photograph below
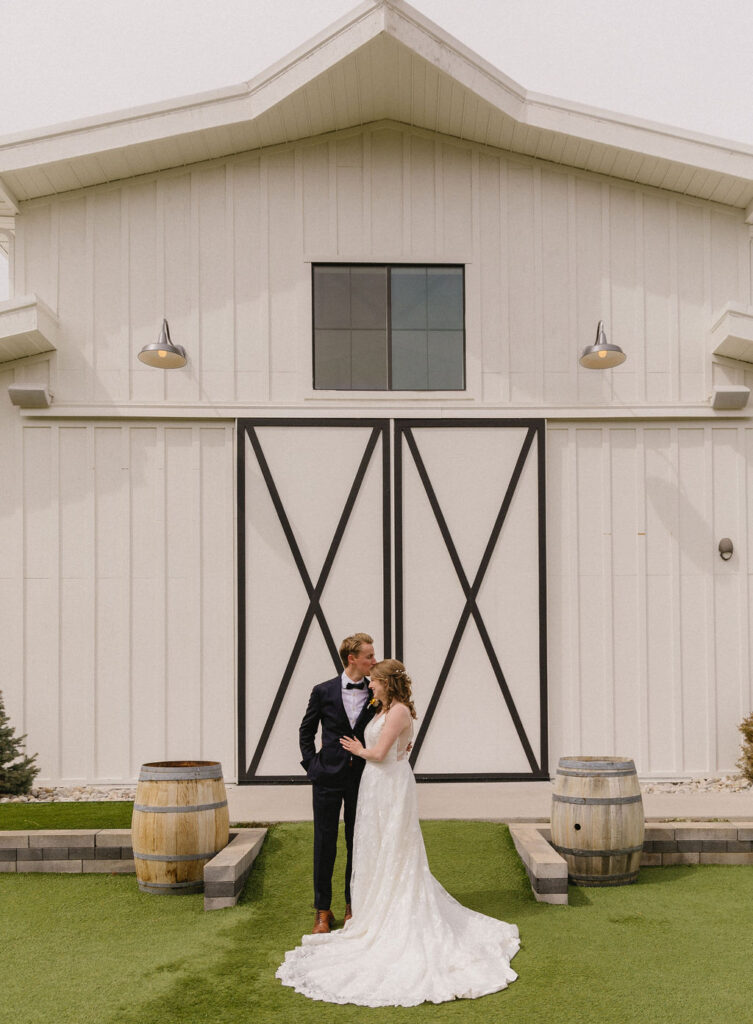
x=244 y=103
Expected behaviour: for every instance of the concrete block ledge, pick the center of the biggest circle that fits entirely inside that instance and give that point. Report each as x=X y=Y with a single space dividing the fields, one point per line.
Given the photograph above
x=118 y=837
x=666 y=844
x=51 y=838
x=225 y=874
x=56 y=845
x=108 y=867
x=109 y=851
x=546 y=869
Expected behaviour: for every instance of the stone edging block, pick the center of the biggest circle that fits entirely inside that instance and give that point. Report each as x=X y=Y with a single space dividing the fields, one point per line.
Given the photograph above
x=114 y=837
x=10 y=840
x=226 y=873
x=108 y=867
x=546 y=869
x=49 y=838
x=108 y=851
x=665 y=844
x=66 y=844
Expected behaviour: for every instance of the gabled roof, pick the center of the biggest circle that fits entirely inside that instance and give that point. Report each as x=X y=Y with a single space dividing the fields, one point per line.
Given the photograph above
x=384 y=61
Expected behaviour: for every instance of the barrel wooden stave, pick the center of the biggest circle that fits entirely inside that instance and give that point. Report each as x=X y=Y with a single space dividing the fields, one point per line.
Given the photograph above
x=171 y=845
x=597 y=820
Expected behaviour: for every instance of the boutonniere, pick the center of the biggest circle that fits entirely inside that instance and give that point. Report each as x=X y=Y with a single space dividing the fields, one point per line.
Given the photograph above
x=373 y=702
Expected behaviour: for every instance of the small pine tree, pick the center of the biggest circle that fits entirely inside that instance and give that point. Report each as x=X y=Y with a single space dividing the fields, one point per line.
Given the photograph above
x=745 y=764
x=17 y=770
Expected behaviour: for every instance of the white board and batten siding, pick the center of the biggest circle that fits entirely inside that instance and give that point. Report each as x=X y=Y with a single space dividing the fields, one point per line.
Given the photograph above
x=118 y=565
x=649 y=629
x=116 y=593
x=224 y=250
x=120 y=636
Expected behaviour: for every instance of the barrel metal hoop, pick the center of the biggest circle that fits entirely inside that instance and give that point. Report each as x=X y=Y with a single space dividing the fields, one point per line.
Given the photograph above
x=574 y=762
x=178 y=810
x=180 y=774
x=175 y=856
x=162 y=886
x=605 y=879
x=601 y=775
x=597 y=853
x=597 y=799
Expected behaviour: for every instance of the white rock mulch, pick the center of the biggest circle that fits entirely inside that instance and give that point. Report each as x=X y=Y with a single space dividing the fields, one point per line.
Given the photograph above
x=723 y=784
x=59 y=794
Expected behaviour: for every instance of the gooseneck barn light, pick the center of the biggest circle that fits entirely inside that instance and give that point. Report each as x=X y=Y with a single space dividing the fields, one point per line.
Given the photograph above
x=601 y=355
x=163 y=354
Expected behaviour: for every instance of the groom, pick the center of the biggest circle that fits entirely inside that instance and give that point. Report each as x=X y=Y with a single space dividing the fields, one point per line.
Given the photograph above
x=341 y=706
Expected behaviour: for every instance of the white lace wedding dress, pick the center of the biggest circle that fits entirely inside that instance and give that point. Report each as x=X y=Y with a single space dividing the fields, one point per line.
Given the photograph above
x=409 y=941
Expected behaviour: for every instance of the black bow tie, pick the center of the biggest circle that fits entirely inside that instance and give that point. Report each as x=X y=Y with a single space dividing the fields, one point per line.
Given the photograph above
x=355 y=686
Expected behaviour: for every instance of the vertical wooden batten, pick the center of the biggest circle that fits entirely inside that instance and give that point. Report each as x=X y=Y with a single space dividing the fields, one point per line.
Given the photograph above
x=104 y=594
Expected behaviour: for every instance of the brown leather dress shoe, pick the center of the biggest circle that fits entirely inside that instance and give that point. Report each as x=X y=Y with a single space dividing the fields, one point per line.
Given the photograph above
x=348 y=913
x=323 y=922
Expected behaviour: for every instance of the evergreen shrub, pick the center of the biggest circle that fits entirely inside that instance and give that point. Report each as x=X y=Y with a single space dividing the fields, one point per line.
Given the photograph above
x=745 y=764
x=17 y=769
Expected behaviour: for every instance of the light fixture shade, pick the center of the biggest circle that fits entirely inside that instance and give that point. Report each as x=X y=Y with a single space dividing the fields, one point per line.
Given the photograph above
x=728 y=396
x=163 y=354
x=30 y=396
x=601 y=355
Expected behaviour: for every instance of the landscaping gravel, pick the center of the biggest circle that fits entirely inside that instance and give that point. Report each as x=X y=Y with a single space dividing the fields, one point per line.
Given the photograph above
x=60 y=794
x=726 y=783
x=57 y=794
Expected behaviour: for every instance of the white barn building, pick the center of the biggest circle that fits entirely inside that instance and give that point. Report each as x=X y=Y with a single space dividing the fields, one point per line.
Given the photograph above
x=383 y=259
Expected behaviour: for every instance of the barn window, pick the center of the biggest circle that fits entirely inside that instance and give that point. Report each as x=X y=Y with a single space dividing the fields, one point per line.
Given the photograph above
x=388 y=327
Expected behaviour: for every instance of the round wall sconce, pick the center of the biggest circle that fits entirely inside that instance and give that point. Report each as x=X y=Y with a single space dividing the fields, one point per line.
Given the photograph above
x=163 y=354
x=601 y=355
x=725 y=549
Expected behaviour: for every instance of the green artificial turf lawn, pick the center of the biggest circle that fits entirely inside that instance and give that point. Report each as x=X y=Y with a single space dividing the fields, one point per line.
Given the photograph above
x=83 y=814
x=674 y=949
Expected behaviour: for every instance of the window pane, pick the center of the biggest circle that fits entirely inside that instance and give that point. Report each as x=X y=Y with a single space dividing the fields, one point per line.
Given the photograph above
x=409 y=361
x=331 y=297
x=446 y=361
x=389 y=327
x=368 y=360
x=332 y=359
x=408 y=298
x=368 y=298
x=445 y=298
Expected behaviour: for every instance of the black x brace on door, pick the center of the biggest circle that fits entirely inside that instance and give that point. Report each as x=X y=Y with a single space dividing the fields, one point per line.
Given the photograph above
x=382 y=436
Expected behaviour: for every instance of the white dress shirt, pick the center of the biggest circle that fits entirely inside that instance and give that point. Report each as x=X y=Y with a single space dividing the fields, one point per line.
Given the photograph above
x=354 y=700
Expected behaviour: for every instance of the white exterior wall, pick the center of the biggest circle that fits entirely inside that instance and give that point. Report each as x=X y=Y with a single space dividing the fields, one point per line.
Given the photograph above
x=224 y=251
x=116 y=592
x=649 y=631
x=119 y=635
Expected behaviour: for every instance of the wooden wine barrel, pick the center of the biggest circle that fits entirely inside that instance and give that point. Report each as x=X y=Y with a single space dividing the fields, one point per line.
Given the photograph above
x=180 y=821
x=597 y=819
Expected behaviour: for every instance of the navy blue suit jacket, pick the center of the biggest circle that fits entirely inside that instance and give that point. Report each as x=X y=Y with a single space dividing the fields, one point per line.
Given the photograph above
x=327 y=765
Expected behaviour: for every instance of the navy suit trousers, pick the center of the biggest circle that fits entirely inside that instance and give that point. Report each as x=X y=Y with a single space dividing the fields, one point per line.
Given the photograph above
x=327 y=802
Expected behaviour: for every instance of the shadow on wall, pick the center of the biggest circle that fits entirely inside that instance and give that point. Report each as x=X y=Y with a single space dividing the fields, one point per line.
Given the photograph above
x=4 y=277
x=678 y=513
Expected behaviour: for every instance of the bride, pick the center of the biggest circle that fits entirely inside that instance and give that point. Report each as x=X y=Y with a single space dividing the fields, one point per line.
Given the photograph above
x=408 y=941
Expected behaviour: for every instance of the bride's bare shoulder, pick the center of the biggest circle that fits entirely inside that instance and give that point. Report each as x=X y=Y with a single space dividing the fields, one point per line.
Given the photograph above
x=399 y=711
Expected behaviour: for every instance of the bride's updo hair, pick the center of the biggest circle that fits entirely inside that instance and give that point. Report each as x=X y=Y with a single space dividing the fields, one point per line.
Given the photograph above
x=397 y=684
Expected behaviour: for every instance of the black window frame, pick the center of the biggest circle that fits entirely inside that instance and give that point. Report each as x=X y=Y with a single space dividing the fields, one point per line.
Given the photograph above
x=388 y=266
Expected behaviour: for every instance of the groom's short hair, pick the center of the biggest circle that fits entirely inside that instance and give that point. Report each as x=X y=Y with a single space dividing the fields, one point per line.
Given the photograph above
x=352 y=645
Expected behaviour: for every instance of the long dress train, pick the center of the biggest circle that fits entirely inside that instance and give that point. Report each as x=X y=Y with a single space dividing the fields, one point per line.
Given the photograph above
x=409 y=941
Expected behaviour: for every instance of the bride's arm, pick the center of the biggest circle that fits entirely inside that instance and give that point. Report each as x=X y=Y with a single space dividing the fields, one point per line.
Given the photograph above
x=396 y=720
